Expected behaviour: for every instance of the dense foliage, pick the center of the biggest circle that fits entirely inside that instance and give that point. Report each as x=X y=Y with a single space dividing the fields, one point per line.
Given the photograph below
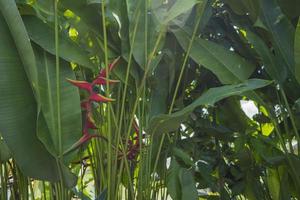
x=153 y=99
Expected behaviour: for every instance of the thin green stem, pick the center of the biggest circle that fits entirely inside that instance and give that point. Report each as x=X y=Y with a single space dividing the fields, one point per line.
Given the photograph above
x=110 y=186
x=177 y=86
x=291 y=117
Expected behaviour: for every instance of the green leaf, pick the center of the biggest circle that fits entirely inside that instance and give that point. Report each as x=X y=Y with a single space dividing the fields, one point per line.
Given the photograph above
x=182 y=156
x=21 y=39
x=173 y=181
x=273 y=68
x=43 y=34
x=297 y=52
x=243 y=7
x=146 y=36
x=18 y=113
x=291 y=8
x=5 y=154
x=166 y=123
x=179 y=7
x=188 y=185
x=70 y=114
x=281 y=30
x=226 y=65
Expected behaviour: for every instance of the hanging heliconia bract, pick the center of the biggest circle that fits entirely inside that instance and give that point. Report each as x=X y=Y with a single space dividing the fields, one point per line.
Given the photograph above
x=101 y=79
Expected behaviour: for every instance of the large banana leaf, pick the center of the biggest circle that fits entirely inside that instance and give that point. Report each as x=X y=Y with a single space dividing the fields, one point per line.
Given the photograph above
x=70 y=114
x=43 y=34
x=226 y=65
x=19 y=126
x=18 y=113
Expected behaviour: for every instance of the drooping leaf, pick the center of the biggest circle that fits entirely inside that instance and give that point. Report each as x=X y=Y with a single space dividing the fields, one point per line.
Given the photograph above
x=21 y=40
x=273 y=68
x=226 y=65
x=70 y=113
x=42 y=34
x=281 y=30
x=173 y=181
x=18 y=112
x=188 y=185
x=245 y=7
x=167 y=123
x=178 y=7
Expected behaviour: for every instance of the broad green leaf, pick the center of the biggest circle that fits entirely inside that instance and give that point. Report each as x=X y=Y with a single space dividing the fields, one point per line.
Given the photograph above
x=5 y=154
x=182 y=156
x=167 y=123
x=245 y=7
x=160 y=87
x=273 y=68
x=226 y=65
x=278 y=183
x=18 y=113
x=179 y=7
x=188 y=185
x=146 y=35
x=173 y=181
x=18 y=39
x=281 y=30
x=43 y=34
x=291 y=8
x=274 y=183
x=70 y=114
x=21 y=39
x=297 y=52
x=89 y=23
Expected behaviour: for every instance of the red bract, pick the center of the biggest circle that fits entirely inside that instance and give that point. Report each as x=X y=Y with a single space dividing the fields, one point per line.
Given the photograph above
x=99 y=98
x=101 y=79
x=134 y=144
x=82 y=85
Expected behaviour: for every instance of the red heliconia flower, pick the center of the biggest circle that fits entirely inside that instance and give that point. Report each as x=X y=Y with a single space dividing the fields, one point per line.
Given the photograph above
x=85 y=105
x=82 y=85
x=99 y=98
x=89 y=122
x=110 y=67
x=101 y=79
x=134 y=144
x=81 y=141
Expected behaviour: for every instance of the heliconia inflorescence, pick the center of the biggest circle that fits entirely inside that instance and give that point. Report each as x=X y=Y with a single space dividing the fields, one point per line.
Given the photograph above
x=101 y=79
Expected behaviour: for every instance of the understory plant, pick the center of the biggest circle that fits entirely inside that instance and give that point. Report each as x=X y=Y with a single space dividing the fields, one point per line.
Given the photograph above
x=154 y=99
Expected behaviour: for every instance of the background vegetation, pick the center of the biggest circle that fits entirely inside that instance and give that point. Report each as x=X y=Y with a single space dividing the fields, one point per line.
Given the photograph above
x=154 y=99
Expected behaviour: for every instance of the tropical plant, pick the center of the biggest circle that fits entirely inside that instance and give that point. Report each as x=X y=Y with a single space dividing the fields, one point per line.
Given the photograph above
x=154 y=99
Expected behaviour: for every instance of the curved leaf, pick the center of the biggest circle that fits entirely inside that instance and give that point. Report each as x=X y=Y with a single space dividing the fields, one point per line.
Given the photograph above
x=274 y=69
x=226 y=65
x=166 y=123
x=69 y=101
x=18 y=114
x=281 y=30
x=42 y=34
